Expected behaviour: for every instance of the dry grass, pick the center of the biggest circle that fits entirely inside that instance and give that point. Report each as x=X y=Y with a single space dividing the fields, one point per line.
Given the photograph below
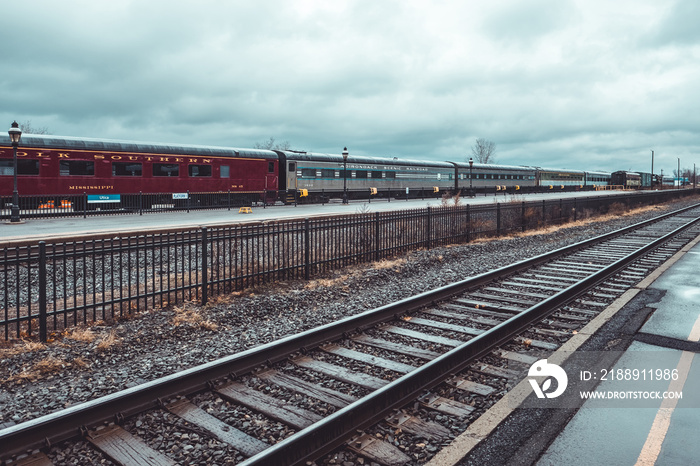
x=616 y=211
x=24 y=346
x=81 y=334
x=80 y=363
x=326 y=282
x=108 y=341
x=41 y=368
x=192 y=317
x=395 y=264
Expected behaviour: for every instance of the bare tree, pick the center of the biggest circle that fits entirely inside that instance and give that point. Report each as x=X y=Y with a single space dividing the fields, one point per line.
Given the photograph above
x=27 y=128
x=484 y=151
x=687 y=175
x=270 y=145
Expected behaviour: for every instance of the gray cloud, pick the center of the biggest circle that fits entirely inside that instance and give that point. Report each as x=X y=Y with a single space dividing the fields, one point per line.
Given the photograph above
x=679 y=25
x=576 y=84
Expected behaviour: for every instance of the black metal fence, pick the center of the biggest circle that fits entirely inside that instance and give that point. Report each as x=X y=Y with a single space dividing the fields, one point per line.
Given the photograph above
x=84 y=205
x=48 y=286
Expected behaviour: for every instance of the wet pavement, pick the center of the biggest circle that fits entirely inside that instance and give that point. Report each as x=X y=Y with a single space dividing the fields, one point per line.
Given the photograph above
x=667 y=431
x=638 y=367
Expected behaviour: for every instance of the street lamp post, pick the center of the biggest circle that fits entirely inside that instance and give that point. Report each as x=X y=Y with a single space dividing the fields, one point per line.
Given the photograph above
x=15 y=134
x=345 y=175
x=471 y=172
x=679 y=173
x=652 y=170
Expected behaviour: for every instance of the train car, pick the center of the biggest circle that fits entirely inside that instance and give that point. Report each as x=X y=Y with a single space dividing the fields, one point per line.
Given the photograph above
x=488 y=176
x=630 y=180
x=645 y=180
x=555 y=178
x=595 y=179
x=322 y=176
x=668 y=181
x=48 y=165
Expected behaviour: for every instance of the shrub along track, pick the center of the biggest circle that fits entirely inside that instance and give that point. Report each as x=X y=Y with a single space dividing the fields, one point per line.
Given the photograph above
x=410 y=348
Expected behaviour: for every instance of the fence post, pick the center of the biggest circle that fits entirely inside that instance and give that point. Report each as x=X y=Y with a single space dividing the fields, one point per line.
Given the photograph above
x=498 y=219
x=85 y=206
x=307 y=248
x=469 y=224
x=561 y=210
x=205 y=275
x=377 y=248
x=228 y=198
x=140 y=203
x=544 y=213
x=575 y=209
x=188 y=201
x=428 y=228
x=42 y=292
x=522 y=217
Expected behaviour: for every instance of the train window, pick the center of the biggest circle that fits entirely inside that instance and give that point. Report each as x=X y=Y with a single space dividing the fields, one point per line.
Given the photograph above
x=327 y=173
x=271 y=167
x=24 y=167
x=76 y=168
x=292 y=167
x=376 y=174
x=308 y=172
x=361 y=174
x=166 y=169
x=225 y=171
x=127 y=169
x=199 y=170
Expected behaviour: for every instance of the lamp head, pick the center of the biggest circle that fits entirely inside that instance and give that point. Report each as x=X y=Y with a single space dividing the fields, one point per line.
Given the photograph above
x=15 y=133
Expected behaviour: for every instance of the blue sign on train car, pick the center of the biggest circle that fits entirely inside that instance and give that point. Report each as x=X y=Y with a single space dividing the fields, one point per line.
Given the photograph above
x=103 y=198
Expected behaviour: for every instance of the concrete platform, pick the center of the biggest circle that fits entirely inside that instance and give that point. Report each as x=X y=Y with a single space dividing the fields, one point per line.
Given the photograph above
x=38 y=229
x=668 y=432
x=654 y=326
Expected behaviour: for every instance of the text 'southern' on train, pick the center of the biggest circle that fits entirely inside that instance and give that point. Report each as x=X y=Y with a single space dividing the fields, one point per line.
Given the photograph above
x=56 y=165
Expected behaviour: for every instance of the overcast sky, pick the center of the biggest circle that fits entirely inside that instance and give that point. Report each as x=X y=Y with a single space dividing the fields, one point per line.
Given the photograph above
x=586 y=84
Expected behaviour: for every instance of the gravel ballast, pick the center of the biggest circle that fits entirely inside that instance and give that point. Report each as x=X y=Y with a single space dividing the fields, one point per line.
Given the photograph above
x=84 y=364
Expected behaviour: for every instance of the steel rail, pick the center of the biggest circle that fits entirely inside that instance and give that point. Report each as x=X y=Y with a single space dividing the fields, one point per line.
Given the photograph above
x=334 y=430
x=73 y=421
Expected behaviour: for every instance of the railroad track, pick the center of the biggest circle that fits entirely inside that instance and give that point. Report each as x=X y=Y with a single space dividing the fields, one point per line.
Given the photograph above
x=452 y=351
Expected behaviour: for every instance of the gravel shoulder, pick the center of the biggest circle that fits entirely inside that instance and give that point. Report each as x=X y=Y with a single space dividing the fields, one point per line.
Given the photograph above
x=86 y=363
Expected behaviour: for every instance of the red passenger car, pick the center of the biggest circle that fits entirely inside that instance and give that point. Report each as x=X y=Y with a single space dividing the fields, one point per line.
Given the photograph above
x=55 y=165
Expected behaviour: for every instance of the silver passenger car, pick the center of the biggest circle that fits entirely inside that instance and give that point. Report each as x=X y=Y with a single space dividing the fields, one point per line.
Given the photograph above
x=327 y=175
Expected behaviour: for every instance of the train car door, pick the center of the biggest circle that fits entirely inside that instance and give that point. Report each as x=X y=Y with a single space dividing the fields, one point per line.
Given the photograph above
x=271 y=177
x=292 y=175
